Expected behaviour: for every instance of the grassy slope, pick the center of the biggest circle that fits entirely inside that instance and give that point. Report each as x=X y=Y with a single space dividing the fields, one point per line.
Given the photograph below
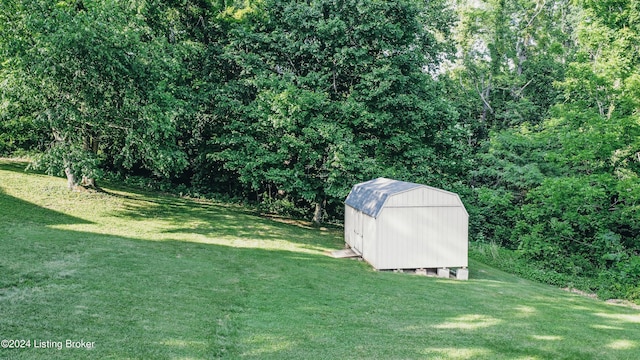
x=147 y=276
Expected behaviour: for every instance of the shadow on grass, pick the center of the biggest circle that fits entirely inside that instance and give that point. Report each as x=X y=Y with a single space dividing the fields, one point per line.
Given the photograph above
x=21 y=213
x=12 y=165
x=146 y=299
x=178 y=299
x=225 y=222
x=132 y=298
x=217 y=222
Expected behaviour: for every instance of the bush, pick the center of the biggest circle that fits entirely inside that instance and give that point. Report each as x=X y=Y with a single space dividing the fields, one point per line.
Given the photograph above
x=280 y=206
x=514 y=262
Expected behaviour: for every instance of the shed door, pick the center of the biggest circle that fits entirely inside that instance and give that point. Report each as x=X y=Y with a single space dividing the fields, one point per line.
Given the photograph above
x=358 y=224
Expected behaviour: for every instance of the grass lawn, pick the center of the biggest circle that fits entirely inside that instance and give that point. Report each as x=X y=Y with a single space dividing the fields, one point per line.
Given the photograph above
x=147 y=276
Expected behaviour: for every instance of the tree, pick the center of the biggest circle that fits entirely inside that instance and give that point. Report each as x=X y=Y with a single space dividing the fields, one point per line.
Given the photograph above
x=570 y=183
x=330 y=92
x=511 y=52
x=597 y=131
x=99 y=79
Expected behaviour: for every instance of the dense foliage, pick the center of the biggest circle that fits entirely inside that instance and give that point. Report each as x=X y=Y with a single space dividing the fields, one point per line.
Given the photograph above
x=330 y=93
x=563 y=189
x=527 y=108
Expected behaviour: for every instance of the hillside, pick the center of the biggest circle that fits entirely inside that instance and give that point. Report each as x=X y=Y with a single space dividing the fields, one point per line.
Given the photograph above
x=528 y=109
x=146 y=276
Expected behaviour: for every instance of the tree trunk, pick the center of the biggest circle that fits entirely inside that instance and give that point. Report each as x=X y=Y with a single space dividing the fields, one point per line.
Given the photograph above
x=71 y=178
x=484 y=90
x=317 y=214
x=91 y=143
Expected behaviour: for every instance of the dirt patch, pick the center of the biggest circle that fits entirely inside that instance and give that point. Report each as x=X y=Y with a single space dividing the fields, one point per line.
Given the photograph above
x=580 y=292
x=626 y=303
x=618 y=302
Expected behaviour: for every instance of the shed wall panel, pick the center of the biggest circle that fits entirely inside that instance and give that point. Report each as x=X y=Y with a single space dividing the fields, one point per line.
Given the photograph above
x=358 y=230
x=348 y=225
x=369 y=247
x=422 y=238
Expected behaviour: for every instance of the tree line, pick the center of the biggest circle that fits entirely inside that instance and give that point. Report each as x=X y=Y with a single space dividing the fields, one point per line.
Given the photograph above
x=527 y=108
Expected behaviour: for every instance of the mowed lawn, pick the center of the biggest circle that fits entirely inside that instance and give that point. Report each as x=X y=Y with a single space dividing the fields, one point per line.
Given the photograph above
x=147 y=276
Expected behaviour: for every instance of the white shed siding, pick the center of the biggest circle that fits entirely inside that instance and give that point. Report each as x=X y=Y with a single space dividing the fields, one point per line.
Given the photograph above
x=368 y=246
x=412 y=237
x=452 y=252
x=396 y=225
x=357 y=227
x=394 y=239
x=348 y=225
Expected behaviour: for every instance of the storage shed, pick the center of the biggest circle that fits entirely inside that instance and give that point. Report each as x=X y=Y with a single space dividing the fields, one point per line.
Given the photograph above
x=400 y=225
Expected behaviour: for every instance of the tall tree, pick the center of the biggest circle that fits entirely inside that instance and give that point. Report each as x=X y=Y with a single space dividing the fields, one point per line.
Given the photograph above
x=99 y=79
x=571 y=182
x=336 y=91
x=511 y=52
x=596 y=159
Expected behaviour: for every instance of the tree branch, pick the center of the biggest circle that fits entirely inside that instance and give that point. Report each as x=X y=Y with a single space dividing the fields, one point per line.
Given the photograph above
x=536 y=14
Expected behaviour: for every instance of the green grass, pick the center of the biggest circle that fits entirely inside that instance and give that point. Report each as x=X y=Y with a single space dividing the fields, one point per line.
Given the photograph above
x=146 y=276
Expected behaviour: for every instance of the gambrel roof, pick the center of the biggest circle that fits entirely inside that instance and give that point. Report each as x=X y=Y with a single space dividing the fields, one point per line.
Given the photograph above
x=370 y=196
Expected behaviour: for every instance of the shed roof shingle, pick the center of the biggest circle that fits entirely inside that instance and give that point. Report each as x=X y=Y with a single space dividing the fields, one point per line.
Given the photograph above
x=370 y=196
